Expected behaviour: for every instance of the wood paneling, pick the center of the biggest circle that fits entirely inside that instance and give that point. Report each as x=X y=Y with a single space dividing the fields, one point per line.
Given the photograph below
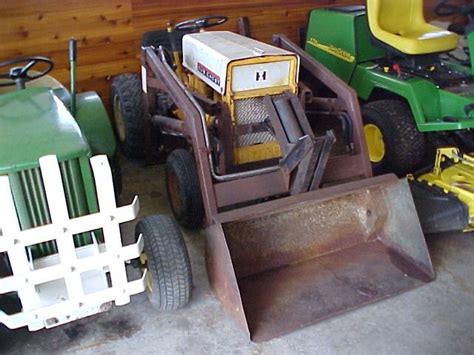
x=109 y=31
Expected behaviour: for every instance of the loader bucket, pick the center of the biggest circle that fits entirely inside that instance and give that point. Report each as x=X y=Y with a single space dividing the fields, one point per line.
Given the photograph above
x=288 y=263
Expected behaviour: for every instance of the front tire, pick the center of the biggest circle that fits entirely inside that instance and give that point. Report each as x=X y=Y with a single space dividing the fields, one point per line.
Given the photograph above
x=126 y=100
x=169 y=270
x=184 y=192
x=394 y=143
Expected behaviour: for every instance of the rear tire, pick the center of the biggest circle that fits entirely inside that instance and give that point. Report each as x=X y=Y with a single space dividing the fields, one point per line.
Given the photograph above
x=169 y=270
x=184 y=192
x=403 y=144
x=126 y=100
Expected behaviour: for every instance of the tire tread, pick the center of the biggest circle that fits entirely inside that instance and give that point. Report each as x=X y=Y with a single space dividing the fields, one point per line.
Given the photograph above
x=129 y=90
x=168 y=262
x=182 y=163
x=406 y=147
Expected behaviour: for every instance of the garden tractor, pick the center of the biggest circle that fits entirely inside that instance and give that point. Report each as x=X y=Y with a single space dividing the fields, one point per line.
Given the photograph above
x=412 y=91
x=62 y=256
x=297 y=228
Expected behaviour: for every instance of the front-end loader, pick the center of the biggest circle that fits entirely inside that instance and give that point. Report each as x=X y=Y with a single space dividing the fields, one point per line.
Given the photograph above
x=297 y=230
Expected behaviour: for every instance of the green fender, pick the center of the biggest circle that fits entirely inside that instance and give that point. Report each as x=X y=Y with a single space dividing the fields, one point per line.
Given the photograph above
x=95 y=124
x=428 y=104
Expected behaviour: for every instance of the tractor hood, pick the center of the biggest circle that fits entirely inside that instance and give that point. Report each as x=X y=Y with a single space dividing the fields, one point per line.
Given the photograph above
x=34 y=123
x=208 y=55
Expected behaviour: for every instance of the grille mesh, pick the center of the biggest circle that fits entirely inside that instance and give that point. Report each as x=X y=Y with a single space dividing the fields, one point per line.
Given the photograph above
x=248 y=111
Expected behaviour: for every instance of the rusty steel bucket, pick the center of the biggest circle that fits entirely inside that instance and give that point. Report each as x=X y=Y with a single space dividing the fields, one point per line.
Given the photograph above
x=288 y=263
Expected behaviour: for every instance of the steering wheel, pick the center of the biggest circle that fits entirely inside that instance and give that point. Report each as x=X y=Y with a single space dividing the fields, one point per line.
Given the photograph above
x=19 y=75
x=445 y=9
x=201 y=22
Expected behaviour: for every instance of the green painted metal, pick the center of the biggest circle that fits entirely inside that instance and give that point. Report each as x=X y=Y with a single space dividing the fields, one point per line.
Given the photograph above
x=470 y=44
x=324 y=35
x=343 y=32
x=429 y=104
x=72 y=74
x=95 y=124
x=32 y=207
x=34 y=123
x=89 y=186
x=366 y=50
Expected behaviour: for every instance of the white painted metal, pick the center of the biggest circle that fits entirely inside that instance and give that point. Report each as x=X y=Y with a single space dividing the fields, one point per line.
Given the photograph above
x=144 y=83
x=71 y=284
x=260 y=76
x=208 y=54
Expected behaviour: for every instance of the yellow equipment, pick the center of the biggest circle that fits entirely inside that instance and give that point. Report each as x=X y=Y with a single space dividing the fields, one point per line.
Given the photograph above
x=222 y=65
x=401 y=25
x=453 y=176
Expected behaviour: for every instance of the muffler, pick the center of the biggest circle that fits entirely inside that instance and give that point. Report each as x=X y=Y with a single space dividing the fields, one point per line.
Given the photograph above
x=285 y=264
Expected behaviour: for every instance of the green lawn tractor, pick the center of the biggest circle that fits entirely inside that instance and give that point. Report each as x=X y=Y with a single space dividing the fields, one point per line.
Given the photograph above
x=62 y=256
x=412 y=92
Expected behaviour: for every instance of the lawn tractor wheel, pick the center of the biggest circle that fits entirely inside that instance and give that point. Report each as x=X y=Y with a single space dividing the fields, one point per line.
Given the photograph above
x=116 y=169
x=169 y=278
x=126 y=96
x=394 y=143
x=184 y=192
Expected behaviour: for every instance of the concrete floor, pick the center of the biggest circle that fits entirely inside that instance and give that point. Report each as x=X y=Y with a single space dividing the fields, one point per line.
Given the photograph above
x=436 y=319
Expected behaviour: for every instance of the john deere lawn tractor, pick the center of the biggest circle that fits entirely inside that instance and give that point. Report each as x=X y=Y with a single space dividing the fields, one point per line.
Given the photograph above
x=412 y=92
x=62 y=256
x=297 y=229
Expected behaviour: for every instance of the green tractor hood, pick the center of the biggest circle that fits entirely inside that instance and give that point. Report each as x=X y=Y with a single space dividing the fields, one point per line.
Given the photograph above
x=34 y=123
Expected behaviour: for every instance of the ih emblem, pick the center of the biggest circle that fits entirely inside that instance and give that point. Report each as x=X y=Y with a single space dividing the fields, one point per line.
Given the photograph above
x=261 y=75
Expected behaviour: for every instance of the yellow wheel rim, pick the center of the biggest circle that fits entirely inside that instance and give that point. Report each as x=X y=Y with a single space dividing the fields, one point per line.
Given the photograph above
x=143 y=262
x=375 y=144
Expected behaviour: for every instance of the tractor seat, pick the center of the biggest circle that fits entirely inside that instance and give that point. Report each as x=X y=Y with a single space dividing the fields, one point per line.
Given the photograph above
x=401 y=25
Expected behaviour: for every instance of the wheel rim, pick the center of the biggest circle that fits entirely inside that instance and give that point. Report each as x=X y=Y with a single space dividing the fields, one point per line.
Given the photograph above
x=375 y=144
x=149 y=281
x=119 y=122
x=174 y=192
x=143 y=266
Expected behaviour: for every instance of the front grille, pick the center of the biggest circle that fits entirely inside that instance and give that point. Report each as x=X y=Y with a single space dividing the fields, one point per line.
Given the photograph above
x=32 y=207
x=248 y=111
x=34 y=198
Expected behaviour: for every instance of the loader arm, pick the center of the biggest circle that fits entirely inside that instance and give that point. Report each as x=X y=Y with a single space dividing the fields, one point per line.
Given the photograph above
x=357 y=163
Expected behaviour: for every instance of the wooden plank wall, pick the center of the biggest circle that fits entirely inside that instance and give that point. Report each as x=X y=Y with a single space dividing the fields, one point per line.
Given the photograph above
x=109 y=31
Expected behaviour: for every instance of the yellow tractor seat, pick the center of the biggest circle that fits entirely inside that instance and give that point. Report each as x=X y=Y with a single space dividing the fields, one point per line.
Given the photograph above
x=401 y=25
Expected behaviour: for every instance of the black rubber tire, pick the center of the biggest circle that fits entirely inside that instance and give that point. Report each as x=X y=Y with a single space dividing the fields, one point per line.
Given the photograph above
x=404 y=144
x=128 y=89
x=169 y=269
x=116 y=169
x=184 y=192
